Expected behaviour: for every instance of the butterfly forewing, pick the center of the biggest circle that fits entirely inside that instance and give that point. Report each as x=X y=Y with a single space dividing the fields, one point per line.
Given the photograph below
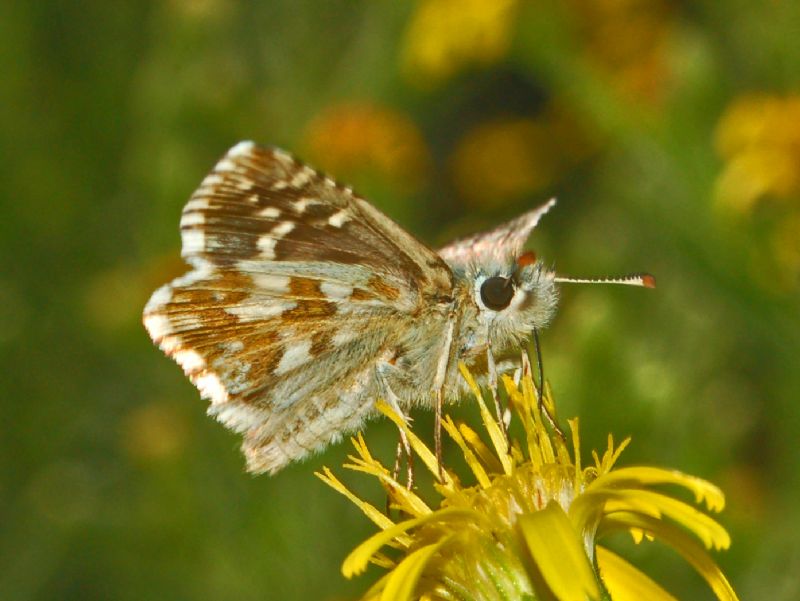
x=260 y=205
x=289 y=268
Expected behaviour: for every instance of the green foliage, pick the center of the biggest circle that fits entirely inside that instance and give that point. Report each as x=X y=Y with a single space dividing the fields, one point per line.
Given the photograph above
x=114 y=484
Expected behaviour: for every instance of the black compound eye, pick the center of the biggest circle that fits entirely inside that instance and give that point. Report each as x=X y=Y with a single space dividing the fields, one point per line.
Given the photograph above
x=497 y=292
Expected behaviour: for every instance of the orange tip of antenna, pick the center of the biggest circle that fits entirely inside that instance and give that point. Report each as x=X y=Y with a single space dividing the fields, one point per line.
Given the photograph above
x=526 y=258
x=648 y=281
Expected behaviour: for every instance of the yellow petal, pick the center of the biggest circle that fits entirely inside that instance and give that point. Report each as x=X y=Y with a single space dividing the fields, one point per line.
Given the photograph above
x=624 y=582
x=558 y=552
x=517 y=457
x=538 y=432
x=638 y=477
x=403 y=579
x=576 y=453
x=469 y=456
x=361 y=447
x=374 y=591
x=705 y=528
x=357 y=561
x=523 y=411
x=683 y=543
x=405 y=500
x=481 y=450
x=588 y=507
x=610 y=455
x=377 y=517
x=495 y=434
x=383 y=561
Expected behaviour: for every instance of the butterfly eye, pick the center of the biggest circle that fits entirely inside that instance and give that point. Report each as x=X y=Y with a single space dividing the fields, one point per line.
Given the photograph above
x=496 y=293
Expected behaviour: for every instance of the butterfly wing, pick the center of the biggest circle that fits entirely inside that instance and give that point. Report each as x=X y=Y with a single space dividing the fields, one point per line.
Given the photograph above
x=296 y=289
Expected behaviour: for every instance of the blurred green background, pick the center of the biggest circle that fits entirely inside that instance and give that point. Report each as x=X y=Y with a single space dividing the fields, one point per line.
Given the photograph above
x=669 y=131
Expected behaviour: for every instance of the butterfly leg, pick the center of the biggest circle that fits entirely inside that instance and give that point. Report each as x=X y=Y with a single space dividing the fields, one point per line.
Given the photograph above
x=403 y=446
x=492 y=369
x=444 y=361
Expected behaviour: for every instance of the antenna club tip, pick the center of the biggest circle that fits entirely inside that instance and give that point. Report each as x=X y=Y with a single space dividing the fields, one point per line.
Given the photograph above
x=648 y=281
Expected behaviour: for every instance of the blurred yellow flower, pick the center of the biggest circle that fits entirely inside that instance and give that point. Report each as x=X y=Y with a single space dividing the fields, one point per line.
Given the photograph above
x=758 y=136
x=528 y=527
x=358 y=137
x=627 y=41
x=501 y=160
x=445 y=36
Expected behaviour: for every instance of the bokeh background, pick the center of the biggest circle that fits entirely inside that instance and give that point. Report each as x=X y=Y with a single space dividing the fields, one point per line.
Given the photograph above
x=670 y=131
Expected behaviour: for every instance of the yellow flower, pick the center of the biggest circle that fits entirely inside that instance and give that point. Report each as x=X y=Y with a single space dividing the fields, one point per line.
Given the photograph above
x=628 y=42
x=355 y=137
x=758 y=136
x=446 y=35
x=506 y=158
x=528 y=527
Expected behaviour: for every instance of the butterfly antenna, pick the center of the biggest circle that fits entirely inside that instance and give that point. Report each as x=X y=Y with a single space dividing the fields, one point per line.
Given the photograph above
x=644 y=280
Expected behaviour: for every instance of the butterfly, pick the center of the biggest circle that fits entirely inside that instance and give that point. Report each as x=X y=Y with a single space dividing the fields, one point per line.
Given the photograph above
x=305 y=304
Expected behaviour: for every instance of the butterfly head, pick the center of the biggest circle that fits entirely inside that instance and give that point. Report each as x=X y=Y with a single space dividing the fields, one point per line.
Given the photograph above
x=514 y=297
x=513 y=291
